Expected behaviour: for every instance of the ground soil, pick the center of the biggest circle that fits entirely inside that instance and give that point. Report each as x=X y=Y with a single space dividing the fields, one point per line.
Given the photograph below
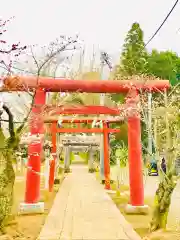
x=25 y=227
x=140 y=223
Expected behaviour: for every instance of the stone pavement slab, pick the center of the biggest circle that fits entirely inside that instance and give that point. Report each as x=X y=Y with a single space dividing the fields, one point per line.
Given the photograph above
x=83 y=210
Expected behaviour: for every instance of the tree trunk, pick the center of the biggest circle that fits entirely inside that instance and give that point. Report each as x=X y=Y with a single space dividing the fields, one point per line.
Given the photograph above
x=7 y=175
x=162 y=203
x=7 y=179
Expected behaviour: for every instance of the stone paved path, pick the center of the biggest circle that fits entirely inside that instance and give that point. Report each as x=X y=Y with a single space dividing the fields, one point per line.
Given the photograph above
x=83 y=210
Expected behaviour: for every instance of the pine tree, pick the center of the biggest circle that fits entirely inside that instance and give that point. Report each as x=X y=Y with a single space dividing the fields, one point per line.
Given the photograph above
x=133 y=58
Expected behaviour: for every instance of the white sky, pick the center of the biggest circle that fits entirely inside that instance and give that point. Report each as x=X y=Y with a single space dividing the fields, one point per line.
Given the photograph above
x=103 y=23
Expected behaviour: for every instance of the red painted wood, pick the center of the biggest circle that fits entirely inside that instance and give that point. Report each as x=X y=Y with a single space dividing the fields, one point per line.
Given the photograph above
x=135 y=162
x=21 y=83
x=106 y=157
x=86 y=130
x=50 y=120
x=53 y=110
x=32 y=192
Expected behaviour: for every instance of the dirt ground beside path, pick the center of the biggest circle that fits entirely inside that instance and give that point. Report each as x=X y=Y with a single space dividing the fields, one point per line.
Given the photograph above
x=27 y=227
x=140 y=223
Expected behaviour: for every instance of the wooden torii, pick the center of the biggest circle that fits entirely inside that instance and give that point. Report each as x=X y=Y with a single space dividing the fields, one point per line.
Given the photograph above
x=47 y=84
x=105 y=131
x=76 y=144
x=50 y=113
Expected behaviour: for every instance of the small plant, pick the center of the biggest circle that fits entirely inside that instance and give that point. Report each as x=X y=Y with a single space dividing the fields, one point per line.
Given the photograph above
x=123 y=158
x=67 y=170
x=91 y=170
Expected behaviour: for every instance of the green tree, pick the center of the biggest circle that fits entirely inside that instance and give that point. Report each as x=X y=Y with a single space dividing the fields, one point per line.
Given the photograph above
x=122 y=136
x=164 y=65
x=133 y=57
x=133 y=61
x=166 y=139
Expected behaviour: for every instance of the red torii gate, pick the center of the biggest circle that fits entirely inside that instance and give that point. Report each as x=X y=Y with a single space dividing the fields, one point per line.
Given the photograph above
x=46 y=84
x=85 y=110
x=105 y=130
x=52 y=110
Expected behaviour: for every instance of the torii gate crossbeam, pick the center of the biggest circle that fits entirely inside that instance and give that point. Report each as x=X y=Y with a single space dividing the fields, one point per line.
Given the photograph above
x=51 y=119
x=21 y=83
x=89 y=110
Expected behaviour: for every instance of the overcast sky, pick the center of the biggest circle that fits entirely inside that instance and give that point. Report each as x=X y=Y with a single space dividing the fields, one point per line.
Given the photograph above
x=103 y=23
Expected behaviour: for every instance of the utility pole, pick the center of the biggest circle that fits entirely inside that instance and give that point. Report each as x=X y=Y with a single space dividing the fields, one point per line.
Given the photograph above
x=93 y=60
x=81 y=61
x=150 y=126
x=104 y=62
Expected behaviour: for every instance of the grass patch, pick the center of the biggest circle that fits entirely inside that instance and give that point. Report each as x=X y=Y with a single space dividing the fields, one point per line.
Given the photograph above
x=97 y=174
x=28 y=226
x=140 y=223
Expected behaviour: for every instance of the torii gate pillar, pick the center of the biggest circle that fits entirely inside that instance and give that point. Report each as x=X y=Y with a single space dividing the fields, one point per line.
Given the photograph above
x=32 y=192
x=67 y=159
x=135 y=157
x=106 y=157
